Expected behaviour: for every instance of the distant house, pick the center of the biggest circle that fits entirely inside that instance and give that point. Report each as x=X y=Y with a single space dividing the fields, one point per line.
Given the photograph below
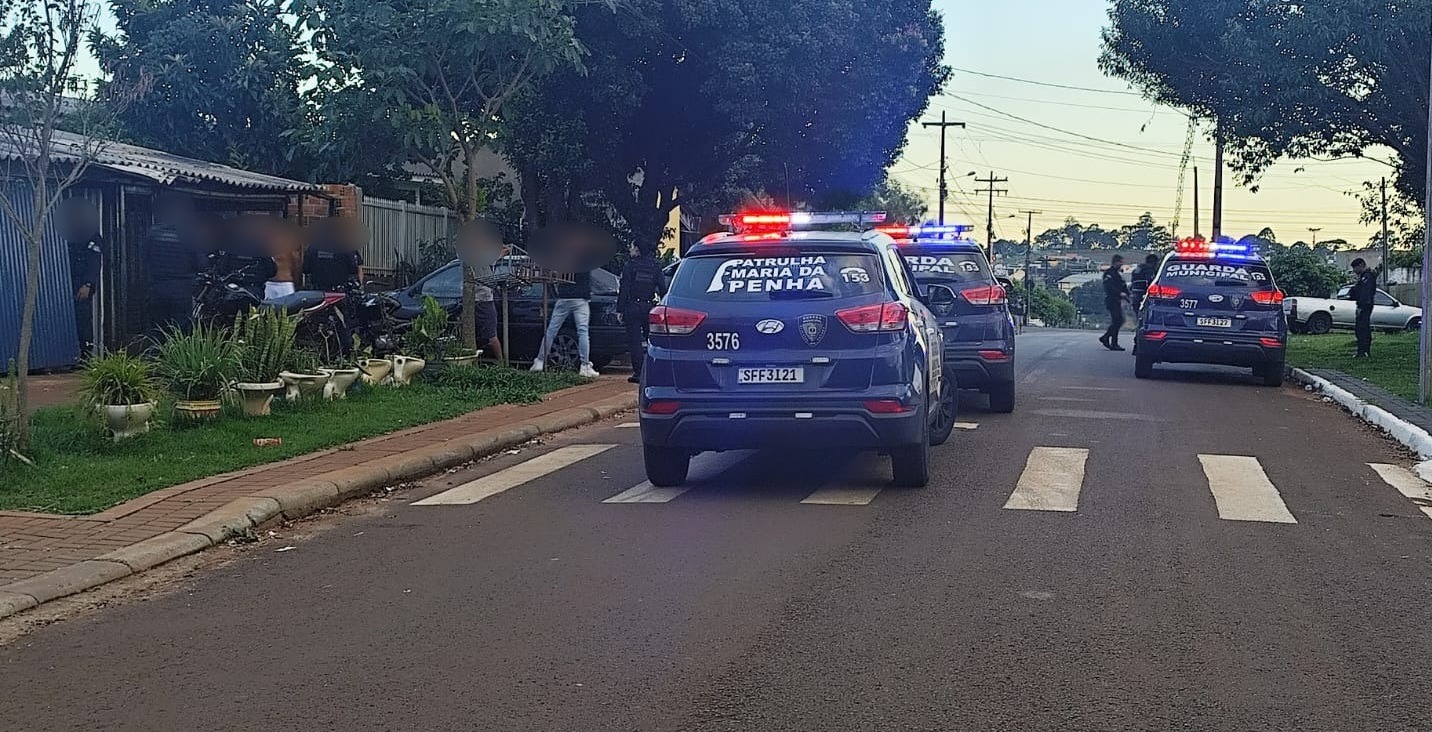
x=1072 y=282
x=122 y=181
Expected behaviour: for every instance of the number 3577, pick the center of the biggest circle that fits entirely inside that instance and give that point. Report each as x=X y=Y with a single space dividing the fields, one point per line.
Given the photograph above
x=723 y=341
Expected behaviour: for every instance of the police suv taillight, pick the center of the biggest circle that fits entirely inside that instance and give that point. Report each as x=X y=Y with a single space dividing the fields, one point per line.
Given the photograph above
x=986 y=295
x=886 y=317
x=665 y=320
x=1161 y=292
x=1268 y=297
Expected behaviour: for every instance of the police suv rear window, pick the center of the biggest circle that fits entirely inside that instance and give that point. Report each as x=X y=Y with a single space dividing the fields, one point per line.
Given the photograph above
x=752 y=277
x=1217 y=273
x=934 y=265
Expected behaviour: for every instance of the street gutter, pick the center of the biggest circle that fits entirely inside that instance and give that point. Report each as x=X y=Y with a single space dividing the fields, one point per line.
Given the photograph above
x=1409 y=435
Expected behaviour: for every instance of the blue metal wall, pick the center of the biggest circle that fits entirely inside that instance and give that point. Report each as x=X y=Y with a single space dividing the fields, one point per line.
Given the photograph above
x=54 y=344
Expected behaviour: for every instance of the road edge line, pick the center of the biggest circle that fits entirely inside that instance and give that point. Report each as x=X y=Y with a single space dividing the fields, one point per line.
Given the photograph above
x=1405 y=433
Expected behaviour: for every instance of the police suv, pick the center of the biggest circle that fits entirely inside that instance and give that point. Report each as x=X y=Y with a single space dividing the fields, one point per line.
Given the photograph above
x=979 y=330
x=1213 y=303
x=775 y=337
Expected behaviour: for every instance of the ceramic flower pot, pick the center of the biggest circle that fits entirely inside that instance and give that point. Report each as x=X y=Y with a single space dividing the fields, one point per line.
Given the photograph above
x=405 y=368
x=375 y=370
x=256 y=398
x=127 y=420
x=339 y=380
x=303 y=386
x=467 y=359
x=198 y=408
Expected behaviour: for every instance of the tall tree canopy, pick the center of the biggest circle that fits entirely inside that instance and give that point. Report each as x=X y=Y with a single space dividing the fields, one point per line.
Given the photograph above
x=692 y=102
x=1286 y=78
x=222 y=79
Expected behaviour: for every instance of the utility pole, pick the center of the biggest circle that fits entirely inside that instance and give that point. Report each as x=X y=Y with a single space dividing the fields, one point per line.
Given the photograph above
x=1028 y=274
x=992 y=181
x=1386 y=254
x=1197 y=213
x=1217 y=182
x=1315 y=230
x=944 y=187
x=1424 y=381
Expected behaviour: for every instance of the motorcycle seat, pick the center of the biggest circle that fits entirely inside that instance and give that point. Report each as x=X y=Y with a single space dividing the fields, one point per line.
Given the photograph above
x=298 y=301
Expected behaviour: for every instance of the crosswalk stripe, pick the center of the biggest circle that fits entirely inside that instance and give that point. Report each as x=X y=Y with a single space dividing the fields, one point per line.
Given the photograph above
x=628 y=425
x=645 y=492
x=1407 y=483
x=1242 y=490
x=842 y=497
x=524 y=472
x=967 y=425
x=1051 y=480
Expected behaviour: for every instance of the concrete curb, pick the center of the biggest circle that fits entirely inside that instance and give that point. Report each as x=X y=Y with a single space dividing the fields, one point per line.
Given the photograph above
x=1409 y=435
x=290 y=502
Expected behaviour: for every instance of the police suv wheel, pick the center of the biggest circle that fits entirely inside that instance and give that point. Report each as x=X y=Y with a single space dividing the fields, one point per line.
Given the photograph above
x=947 y=410
x=1001 y=398
x=1272 y=374
x=666 y=467
x=910 y=464
x=1143 y=367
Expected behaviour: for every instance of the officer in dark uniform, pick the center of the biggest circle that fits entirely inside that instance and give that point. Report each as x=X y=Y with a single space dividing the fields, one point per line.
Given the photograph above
x=79 y=224
x=1364 y=293
x=1116 y=291
x=172 y=260
x=332 y=261
x=1143 y=276
x=642 y=283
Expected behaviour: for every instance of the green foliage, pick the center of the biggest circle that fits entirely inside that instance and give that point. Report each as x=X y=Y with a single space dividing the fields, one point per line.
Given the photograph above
x=222 y=79
x=265 y=339
x=1051 y=307
x=1406 y=258
x=516 y=387
x=901 y=203
x=9 y=416
x=1393 y=365
x=198 y=365
x=1285 y=79
x=117 y=378
x=430 y=335
x=1302 y=272
x=1088 y=298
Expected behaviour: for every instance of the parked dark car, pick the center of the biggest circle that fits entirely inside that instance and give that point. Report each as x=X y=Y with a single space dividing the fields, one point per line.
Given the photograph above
x=525 y=309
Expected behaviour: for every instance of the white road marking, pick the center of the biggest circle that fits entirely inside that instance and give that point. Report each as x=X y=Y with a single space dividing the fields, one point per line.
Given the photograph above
x=1242 y=490
x=645 y=492
x=1092 y=388
x=1068 y=399
x=628 y=425
x=1407 y=483
x=524 y=472
x=1092 y=414
x=967 y=425
x=842 y=497
x=703 y=467
x=1051 y=480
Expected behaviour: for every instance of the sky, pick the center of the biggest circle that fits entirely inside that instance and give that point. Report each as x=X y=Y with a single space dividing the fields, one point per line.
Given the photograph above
x=1054 y=167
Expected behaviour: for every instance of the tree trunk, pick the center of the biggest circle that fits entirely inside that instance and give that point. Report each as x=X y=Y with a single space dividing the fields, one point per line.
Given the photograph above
x=467 y=325
x=35 y=239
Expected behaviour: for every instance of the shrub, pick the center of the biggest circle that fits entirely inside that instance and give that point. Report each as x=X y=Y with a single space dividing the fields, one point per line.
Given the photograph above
x=429 y=336
x=265 y=341
x=117 y=378
x=198 y=365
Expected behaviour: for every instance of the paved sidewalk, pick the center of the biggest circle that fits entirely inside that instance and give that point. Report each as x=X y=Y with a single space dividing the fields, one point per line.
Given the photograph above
x=42 y=556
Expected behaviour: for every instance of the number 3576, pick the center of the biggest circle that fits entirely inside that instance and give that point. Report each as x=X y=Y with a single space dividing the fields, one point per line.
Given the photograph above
x=723 y=341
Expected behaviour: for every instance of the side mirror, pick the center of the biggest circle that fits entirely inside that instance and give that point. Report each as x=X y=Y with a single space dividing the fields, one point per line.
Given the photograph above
x=1005 y=282
x=940 y=298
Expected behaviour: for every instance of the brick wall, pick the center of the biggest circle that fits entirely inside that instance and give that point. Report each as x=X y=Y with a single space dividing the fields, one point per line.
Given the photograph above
x=345 y=202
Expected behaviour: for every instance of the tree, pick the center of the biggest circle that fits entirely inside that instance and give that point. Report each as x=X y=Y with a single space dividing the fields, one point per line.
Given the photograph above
x=900 y=203
x=1302 y=272
x=442 y=72
x=1145 y=235
x=691 y=104
x=48 y=130
x=1074 y=235
x=1088 y=298
x=1285 y=79
x=1051 y=307
x=223 y=79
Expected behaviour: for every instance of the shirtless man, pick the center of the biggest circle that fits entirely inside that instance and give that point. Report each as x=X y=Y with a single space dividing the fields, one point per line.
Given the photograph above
x=286 y=247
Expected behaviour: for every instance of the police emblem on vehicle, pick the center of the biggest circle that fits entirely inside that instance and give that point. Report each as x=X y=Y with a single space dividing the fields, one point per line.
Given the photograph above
x=770 y=326
x=812 y=329
x=1215 y=298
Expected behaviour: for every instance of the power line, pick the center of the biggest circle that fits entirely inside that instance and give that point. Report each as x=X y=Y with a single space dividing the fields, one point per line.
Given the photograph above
x=993 y=191
x=1047 y=84
x=1032 y=100
x=1063 y=131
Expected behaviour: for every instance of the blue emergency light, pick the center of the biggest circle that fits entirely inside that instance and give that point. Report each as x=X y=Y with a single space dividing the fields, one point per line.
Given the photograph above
x=1224 y=247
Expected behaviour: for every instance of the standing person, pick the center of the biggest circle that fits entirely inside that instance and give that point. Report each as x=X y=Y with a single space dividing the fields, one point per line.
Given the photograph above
x=286 y=249
x=172 y=260
x=1364 y=293
x=1143 y=276
x=574 y=299
x=1116 y=291
x=79 y=225
x=642 y=283
x=332 y=260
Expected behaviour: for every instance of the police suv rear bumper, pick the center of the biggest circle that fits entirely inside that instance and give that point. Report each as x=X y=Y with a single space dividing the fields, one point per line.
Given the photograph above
x=752 y=422
x=1226 y=349
x=977 y=365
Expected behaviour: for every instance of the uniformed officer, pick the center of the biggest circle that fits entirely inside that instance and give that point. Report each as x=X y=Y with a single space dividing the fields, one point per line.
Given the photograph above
x=172 y=260
x=1364 y=293
x=79 y=224
x=642 y=283
x=1116 y=291
x=1143 y=276
x=332 y=261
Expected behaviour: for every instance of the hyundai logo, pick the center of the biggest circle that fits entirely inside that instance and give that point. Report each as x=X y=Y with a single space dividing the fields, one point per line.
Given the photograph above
x=1215 y=298
x=770 y=327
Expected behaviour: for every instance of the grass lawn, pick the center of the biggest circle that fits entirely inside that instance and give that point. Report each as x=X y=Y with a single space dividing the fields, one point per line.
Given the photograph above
x=1393 y=365
x=78 y=470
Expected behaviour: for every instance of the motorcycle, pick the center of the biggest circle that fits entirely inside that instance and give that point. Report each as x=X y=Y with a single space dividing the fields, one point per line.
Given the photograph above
x=372 y=321
x=233 y=284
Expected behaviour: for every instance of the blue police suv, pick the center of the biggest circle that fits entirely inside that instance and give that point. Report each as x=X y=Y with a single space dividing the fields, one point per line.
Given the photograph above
x=775 y=337
x=1213 y=303
x=979 y=330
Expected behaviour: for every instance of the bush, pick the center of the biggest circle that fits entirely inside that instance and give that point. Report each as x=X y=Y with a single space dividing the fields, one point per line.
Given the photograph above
x=117 y=378
x=198 y=365
x=430 y=337
x=265 y=341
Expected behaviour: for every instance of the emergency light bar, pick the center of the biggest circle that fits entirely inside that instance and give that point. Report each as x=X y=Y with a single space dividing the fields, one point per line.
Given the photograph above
x=927 y=232
x=1222 y=248
x=788 y=220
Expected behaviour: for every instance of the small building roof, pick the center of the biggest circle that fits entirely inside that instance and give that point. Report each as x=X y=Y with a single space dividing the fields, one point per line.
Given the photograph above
x=162 y=167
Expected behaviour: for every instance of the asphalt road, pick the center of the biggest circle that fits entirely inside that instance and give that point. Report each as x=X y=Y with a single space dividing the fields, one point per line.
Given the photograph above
x=1229 y=561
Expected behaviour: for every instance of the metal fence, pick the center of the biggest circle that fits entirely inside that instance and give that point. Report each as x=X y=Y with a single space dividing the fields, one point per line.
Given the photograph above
x=397 y=228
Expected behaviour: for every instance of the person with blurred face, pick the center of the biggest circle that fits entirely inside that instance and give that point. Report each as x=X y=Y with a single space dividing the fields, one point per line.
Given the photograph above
x=172 y=260
x=332 y=261
x=574 y=301
x=642 y=283
x=79 y=225
x=286 y=249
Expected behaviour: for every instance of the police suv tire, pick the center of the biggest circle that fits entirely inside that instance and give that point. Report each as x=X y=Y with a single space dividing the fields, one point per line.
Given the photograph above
x=1143 y=367
x=1320 y=324
x=1273 y=374
x=950 y=411
x=666 y=467
x=1001 y=398
x=910 y=464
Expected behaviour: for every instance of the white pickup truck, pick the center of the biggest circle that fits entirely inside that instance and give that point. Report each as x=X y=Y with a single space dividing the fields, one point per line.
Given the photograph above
x=1319 y=315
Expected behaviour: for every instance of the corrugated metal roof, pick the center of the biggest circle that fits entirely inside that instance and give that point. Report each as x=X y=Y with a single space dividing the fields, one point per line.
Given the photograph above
x=165 y=167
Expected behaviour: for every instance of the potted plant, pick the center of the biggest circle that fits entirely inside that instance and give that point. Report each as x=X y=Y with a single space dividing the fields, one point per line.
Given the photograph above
x=120 y=388
x=197 y=367
x=265 y=341
x=303 y=377
x=427 y=340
